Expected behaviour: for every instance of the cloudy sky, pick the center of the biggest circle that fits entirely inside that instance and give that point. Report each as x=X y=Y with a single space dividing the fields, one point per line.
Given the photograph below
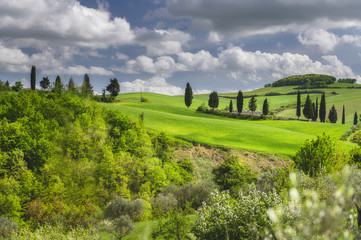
x=160 y=45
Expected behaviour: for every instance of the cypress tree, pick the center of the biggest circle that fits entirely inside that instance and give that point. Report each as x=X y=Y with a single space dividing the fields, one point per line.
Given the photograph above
x=265 y=107
x=58 y=86
x=239 y=101
x=252 y=104
x=71 y=86
x=213 y=100
x=355 y=118
x=188 y=95
x=332 y=116
x=315 y=112
x=308 y=108
x=323 y=108
x=230 y=106
x=45 y=83
x=33 y=78
x=298 y=111
x=87 y=88
x=343 y=114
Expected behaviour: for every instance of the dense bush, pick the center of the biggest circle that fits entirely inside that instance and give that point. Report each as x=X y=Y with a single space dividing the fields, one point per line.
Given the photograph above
x=7 y=227
x=321 y=155
x=307 y=81
x=244 y=217
x=231 y=175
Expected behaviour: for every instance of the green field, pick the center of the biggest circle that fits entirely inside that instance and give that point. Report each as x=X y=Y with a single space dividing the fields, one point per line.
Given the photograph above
x=169 y=114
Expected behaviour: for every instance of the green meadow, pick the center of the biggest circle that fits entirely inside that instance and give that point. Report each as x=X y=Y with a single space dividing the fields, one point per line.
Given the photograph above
x=284 y=137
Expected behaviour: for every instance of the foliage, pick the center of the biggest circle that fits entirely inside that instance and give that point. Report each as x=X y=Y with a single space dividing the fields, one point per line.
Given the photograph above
x=213 y=100
x=86 y=88
x=307 y=80
x=323 y=108
x=58 y=86
x=308 y=108
x=242 y=218
x=332 y=116
x=45 y=83
x=252 y=104
x=239 y=101
x=315 y=110
x=321 y=155
x=7 y=227
x=113 y=87
x=4 y=86
x=231 y=175
x=355 y=118
x=230 y=106
x=71 y=85
x=188 y=95
x=343 y=114
x=265 y=108
x=347 y=80
x=298 y=108
x=352 y=130
x=33 y=78
x=18 y=86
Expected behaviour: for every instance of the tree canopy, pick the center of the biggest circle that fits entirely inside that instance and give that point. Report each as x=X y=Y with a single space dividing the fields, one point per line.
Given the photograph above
x=213 y=100
x=113 y=87
x=188 y=95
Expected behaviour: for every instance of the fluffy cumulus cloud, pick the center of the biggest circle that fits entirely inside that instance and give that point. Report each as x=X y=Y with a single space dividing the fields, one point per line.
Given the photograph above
x=65 y=22
x=200 y=61
x=79 y=70
x=155 y=85
x=162 y=42
x=250 y=17
x=325 y=40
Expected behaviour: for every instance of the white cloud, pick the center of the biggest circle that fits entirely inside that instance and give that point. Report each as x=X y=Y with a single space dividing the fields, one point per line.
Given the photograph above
x=325 y=40
x=200 y=61
x=65 y=22
x=121 y=56
x=162 y=42
x=154 y=85
x=79 y=70
x=214 y=37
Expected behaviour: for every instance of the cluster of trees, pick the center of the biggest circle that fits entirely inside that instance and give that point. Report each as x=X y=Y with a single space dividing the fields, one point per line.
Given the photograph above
x=347 y=80
x=305 y=81
x=213 y=101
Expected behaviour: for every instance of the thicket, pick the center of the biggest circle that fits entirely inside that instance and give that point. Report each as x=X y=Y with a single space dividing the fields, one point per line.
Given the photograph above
x=305 y=81
x=64 y=158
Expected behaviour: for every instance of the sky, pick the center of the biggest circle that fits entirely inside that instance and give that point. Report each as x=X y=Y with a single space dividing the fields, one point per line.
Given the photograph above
x=160 y=45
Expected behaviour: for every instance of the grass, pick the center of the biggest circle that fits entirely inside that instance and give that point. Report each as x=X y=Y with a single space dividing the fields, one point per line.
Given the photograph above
x=169 y=114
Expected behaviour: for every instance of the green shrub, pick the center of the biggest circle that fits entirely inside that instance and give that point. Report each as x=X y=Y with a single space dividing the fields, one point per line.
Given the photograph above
x=231 y=175
x=321 y=155
x=7 y=226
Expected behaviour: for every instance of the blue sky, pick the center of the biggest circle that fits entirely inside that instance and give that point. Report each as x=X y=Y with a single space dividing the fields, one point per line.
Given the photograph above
x=160 y=45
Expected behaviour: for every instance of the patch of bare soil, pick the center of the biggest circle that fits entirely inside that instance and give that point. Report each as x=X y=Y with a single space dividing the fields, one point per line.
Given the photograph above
x=214 y=156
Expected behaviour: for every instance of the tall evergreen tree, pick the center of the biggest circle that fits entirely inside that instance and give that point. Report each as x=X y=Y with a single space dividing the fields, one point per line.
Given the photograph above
x=213 y=100
x=33 y=78
x=45 y=83
x=87 y=88
x=323 y=108
x=188 y=95
x=332 y=116
x=230 y=106
x=58 y=86
x=355 y=119
x=265 y=108
x=298 y=111
x=343 y=114
x=240 y=101
x=252 y=104
x=71 y=85
x=315 y=112
x=308 y=108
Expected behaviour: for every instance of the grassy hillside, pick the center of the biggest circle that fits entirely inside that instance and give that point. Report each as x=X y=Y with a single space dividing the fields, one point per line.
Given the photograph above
x=169 y=114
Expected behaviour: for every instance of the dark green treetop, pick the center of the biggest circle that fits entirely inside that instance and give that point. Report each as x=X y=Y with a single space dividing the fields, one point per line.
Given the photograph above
x=71 y=85
x=45 y=83
x=230 y=106
x=343 y=114
x=33 y=78
x=239 y=101
x=265 y=108
x=308 y=108
x=213 y=100
x=323 y=108
x=188 y=95
x=298 y=111
x=355 y=119
x=332 y=116
x=252 y=104
x=87 y=88
x=113 y=87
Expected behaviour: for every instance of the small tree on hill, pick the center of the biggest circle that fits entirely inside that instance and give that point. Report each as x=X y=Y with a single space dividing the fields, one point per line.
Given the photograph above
x=113 y=87
x=18 y=86
x=355 y=119
x=213 y=100
x=298 y=111
x=188 y=95
x=45 y=83
x=239 y=101
x=33 y=78
x=87 y=88
x=252 y=104
x=315 y=110
x=332 y=116
x=230 y=106
x=323 y=108
x=308 y=108
x=265 y=108
x=343 y=114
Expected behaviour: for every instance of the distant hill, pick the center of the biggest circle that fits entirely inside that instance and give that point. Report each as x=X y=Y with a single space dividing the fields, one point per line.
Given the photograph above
x=305 y=81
